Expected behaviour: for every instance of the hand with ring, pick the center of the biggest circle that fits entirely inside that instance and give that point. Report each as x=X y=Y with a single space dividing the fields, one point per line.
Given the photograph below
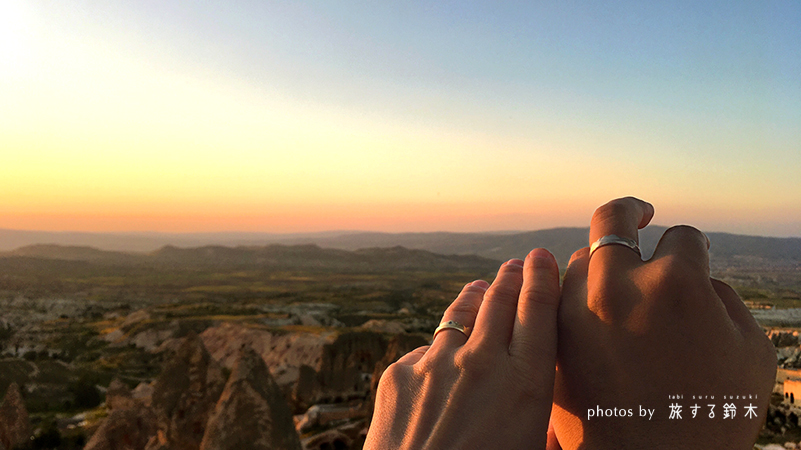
x=486 y=381
x=658 y=335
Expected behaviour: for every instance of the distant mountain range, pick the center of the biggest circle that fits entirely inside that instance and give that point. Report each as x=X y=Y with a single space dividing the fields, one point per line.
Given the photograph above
x=562 y=242
x=275 y=256
x=149 y=241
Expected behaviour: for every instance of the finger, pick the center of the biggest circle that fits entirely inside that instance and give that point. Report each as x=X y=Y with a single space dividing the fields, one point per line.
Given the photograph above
x=496 y=316
x=578 y=264
x=688 y=246
x=621 y=217
x=534 y=333
x=463 y=310
x=413 y=356
x=574 y=286
x=737 y=310
x=553 y=442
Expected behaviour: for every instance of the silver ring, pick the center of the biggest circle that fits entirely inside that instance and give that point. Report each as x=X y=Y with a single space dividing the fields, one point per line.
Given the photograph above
x=610 y=239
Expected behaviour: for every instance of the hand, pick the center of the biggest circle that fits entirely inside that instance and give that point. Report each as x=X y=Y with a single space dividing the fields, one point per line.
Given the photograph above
x=633 y=333
x=491 y=390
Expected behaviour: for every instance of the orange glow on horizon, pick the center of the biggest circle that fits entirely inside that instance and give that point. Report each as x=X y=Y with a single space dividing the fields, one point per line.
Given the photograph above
x=472 y=217
x=290 y=219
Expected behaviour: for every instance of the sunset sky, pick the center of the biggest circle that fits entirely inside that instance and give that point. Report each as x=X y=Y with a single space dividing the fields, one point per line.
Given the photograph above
x=397 y=116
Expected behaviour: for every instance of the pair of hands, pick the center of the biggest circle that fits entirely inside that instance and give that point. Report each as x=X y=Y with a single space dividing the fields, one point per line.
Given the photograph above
x=620 y=333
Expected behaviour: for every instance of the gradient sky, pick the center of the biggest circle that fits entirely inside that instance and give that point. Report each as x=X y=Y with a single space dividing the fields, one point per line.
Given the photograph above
x=397 y=116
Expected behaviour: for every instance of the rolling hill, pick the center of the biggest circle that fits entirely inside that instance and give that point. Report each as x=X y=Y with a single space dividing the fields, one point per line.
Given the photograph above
x=495 y=246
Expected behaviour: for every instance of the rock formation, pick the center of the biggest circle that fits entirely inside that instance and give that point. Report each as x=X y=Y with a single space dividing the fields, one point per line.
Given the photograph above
x=347 y=366
x=781 y=338
x=124 y=429
x=311 y=368
x=252 y=413
x=118 y=396
x=277 y=349
x=185 y=394
x=143 y=393
x=346 y=436
x=324 y=415
x=190 y=406
x=15 y=429
x=331 y=439
x=306 y=389
x=384 y=326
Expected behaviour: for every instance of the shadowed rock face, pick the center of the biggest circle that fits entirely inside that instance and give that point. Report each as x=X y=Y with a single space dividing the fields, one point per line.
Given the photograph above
x=783 y=338
x=15 y=429
x=252 y=413
x=124 y=429
x=306 y=389
x=344 y=371
x=347 y=364
x=328 y=440
x=185 y=394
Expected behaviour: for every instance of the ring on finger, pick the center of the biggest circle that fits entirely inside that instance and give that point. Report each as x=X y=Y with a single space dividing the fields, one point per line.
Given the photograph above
x=451 y=325
x=613 y=239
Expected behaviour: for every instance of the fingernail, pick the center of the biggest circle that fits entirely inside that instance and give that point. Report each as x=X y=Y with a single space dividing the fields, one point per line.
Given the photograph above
x=541 y=253
x=481 y=284
x=515 y=262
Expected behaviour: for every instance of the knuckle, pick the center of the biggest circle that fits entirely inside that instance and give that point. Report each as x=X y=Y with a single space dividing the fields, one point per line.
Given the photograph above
x=503 y=293
x=673 y=269
x=420 y=350
x=578 y=254
x=682 y=232
x=541 y=294
x=474 y=361
x=610 y=210
x=502 y=305
x=470 y=289
x=397 y=384
x=667 y=287
x=675 y=282
x=461 y=308
x=431 y=365
x=394 y=376
x=607 y=308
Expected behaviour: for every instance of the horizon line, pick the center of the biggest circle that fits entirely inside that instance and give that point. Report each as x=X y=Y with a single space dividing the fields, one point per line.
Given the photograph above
x=333 y=233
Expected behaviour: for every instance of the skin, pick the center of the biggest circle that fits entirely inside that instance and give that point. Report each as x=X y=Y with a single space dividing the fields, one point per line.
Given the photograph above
x=629 y=333
x=634 y=333
x=461 y=393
